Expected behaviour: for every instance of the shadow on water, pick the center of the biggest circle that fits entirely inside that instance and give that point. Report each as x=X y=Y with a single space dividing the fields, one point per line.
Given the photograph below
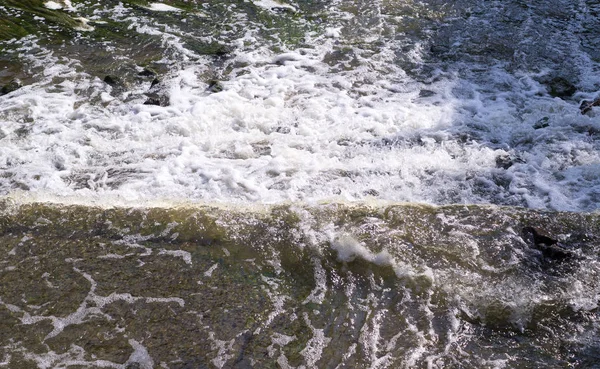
x=516 y=74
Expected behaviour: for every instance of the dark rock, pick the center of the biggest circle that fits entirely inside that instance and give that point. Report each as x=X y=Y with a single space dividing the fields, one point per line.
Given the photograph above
x=542 y=123
x=371 y=192
x=282 y=10
x=133 y=365
x=439 y=49
x=537 y=238
x=157 y=94
x=23 y=131
x=221 y=53
x=588 y=129
x=11 y=86
x=283 y=129
x=217 y=50
x=587 y=105
x=215 y=86
x=262 y=148
x=555 y=252
x=112 y=81
x=152 y=101
x=345 y=58
x=156 y=99
x=242 y=362
x=560 y=87
x=506 y=161
x=118 y=85
x=284 y=58
x=426 y=93
x=550 y=248
x=147 y=72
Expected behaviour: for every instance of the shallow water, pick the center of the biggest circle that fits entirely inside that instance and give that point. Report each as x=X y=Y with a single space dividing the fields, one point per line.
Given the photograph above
x=242 y=184
x=328 y=286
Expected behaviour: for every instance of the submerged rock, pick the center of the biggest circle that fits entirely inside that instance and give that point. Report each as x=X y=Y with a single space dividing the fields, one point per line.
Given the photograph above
x=152 y=101
x=11 y=86
x=157 y=99
x=147 y=72
x=587 y=105
x=119 y=85
x=542 y=123
x=157 y=94
x=507 y=161
x=426 y=93
x=215 y=86
x=551 y=249
x=560 y=87
x=112 y=81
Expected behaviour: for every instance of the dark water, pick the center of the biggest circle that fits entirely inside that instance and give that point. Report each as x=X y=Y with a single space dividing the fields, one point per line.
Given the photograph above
x=329 y=286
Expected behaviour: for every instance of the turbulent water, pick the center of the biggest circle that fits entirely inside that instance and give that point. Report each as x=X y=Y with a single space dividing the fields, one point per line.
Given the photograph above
x=292 y=132
x=434 y=102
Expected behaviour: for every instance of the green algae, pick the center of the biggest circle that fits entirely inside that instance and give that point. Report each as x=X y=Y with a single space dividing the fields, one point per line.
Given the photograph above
x=37 y=8
x=10 y=28
x=108 y=44
x=28 y=17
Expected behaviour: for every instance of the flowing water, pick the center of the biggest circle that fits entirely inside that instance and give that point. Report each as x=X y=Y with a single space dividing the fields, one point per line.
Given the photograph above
x=298 y=184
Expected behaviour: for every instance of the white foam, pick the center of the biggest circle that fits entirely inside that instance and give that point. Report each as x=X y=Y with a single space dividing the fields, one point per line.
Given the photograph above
x=84 y=310
x=140 y=355
x=58 y=5
x=317 y=295
x=349 y=249
x=333 y=32
x=278 y=339
x=210 y=270
x=84 y=26
x=277 y=299
x=186 y=256
x=370 y=338
x=75 y=356
x=301 y=125
x=53 y=5
x=316 y=344
x=224 y=348
x=160 y=7
x=114 y=256
x=270 y=4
